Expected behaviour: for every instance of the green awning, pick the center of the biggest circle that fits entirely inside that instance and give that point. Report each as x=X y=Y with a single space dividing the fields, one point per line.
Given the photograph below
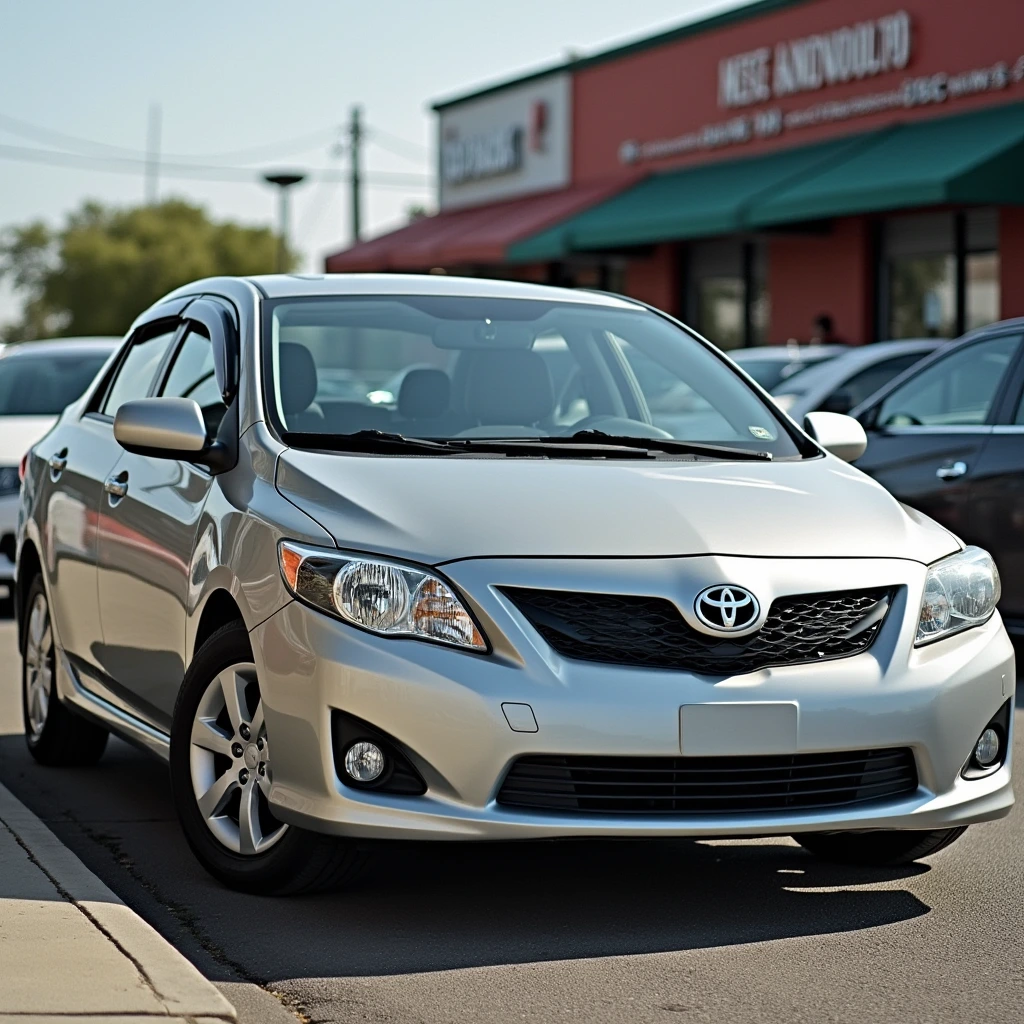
x=970 y=158
x=692 y=203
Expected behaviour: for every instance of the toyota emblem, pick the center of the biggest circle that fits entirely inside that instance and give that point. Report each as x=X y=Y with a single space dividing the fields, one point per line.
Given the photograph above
x=726 y=609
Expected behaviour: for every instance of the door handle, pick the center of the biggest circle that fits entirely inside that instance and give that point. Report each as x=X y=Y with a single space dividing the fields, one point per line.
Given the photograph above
x=57 y=463
x=116 y=487
x=952 y=471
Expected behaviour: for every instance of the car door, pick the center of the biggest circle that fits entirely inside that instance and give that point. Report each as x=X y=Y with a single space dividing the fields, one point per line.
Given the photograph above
x=997 y=497
x=81 y=454
x=925 y=435
x=149 y=519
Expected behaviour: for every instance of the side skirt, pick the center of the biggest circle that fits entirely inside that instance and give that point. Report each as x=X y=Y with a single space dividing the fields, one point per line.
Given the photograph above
x=118 y=721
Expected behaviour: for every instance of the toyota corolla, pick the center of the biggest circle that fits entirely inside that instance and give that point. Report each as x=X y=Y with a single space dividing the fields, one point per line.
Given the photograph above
x=574 y=575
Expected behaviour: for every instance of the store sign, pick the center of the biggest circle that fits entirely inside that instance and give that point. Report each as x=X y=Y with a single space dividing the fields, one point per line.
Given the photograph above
x=499 y=151
x=510 y=143
x=769 y=121
x=848 y=54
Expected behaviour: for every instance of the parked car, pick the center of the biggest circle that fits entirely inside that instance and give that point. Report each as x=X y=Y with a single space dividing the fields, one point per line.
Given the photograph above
x=463 y=619
x=837 y=385
x=947 y=437
x=37 y=379
x=771 y=364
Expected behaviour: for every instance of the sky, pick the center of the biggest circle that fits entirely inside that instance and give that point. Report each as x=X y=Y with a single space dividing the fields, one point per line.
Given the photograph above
x=256 y=85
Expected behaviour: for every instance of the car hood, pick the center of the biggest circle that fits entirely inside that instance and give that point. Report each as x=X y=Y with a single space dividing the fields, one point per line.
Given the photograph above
x=19 y=433
x=441 y=509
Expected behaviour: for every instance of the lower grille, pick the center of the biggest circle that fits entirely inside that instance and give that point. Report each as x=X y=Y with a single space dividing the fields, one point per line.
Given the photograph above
x=709 y=785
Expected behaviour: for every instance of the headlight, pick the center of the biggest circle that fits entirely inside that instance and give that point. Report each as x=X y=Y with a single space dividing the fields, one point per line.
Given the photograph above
x=959 y=592
x=10 y=482
x=383 y=597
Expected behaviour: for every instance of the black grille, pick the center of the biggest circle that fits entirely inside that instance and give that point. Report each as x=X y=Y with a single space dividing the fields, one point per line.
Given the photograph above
x=620 y=629
x=708 y=785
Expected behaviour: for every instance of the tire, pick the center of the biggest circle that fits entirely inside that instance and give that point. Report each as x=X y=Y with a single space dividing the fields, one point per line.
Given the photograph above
x=878 y=849
x=55 y=736
x=218 y=752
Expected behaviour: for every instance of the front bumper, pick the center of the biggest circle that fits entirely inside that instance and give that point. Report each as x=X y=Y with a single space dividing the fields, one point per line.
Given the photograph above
x=445 y=706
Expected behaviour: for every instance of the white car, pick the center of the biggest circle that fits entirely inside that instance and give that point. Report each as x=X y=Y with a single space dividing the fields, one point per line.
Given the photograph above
x=37 y=380
x=838 y=384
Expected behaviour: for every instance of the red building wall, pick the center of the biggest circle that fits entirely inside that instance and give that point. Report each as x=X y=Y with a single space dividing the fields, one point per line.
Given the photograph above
x=655 y=279
x=1011 y=261
x=833 y=274
x=667 y=90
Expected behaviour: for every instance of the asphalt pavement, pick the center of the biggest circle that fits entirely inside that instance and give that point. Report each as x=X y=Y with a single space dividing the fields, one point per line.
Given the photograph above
x=735 y=932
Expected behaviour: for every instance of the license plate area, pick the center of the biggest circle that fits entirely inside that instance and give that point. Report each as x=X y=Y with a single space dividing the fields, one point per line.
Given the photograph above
x=737 y=729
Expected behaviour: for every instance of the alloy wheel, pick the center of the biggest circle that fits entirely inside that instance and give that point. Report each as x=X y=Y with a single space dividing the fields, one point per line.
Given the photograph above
x=229 y=760
x=38 y=666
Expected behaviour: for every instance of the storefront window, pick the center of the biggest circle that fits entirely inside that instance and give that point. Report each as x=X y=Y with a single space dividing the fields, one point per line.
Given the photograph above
x=728 y=301
x=920 y=274
x=982 y=288
x=720 y=310
x=922 y=297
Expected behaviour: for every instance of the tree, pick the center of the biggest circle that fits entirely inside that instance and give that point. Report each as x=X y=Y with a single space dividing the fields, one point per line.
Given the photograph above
x=106 y=265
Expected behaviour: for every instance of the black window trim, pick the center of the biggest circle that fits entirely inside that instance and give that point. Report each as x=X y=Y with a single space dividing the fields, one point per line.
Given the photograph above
x=147 y=329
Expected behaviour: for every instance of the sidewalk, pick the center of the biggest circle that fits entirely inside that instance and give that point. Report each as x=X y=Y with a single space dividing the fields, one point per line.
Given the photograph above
x=69 y=948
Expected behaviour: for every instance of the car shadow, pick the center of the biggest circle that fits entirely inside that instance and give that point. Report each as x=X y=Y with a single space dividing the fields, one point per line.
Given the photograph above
x=437 y=906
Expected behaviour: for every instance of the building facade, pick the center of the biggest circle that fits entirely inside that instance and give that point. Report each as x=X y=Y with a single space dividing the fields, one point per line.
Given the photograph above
x=749 y=172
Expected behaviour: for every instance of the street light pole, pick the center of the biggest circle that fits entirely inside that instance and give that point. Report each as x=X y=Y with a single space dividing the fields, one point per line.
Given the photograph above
x=355 y=141
x=283 y=181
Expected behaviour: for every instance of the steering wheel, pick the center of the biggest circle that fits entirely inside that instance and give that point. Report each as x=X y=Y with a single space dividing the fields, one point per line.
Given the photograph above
x=616 y=425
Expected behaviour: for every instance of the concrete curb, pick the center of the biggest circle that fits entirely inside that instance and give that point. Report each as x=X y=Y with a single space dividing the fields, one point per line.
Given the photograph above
x=177 y=985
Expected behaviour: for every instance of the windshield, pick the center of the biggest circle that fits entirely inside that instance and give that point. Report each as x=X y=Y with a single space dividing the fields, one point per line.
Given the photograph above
x=469 y=368
x=42 y=385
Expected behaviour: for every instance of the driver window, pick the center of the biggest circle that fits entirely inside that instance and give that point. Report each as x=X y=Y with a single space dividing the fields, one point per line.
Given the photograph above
x=957 y=391
x=192 y=376
x=138 y=368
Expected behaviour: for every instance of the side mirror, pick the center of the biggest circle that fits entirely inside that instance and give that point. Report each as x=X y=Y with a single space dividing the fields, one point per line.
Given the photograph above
x=167 y=428
x=840 y=435
x=840 y=401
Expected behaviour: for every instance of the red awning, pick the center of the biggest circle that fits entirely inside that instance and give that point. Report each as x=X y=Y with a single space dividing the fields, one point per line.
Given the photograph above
x=479 y=234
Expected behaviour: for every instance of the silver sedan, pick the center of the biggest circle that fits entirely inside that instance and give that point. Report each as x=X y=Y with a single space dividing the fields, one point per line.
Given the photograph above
x=510 y=601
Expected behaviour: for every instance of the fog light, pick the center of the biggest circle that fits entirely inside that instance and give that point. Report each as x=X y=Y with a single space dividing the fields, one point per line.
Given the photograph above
x=986 y=752
x=365 y=761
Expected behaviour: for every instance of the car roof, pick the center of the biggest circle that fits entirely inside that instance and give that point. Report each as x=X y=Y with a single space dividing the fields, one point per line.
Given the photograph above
x=787 y=353
x=61 y=346
x=283 y=286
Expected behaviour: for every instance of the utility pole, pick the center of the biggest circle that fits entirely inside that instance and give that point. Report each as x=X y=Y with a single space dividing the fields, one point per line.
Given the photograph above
x=284 y=181
x=355 y=139
x=153 y=154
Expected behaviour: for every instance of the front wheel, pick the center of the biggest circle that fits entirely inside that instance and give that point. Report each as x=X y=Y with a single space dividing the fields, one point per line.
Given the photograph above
x=221 y=774
x=55 y=736
x=878 y=849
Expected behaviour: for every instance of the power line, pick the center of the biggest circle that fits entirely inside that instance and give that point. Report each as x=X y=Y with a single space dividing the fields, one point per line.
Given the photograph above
x=284 y=147
x=194 y=172
x=396 y=145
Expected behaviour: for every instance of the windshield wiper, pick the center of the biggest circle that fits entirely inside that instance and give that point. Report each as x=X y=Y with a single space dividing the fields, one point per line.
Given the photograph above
x=370 y=441
x=665 y=444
